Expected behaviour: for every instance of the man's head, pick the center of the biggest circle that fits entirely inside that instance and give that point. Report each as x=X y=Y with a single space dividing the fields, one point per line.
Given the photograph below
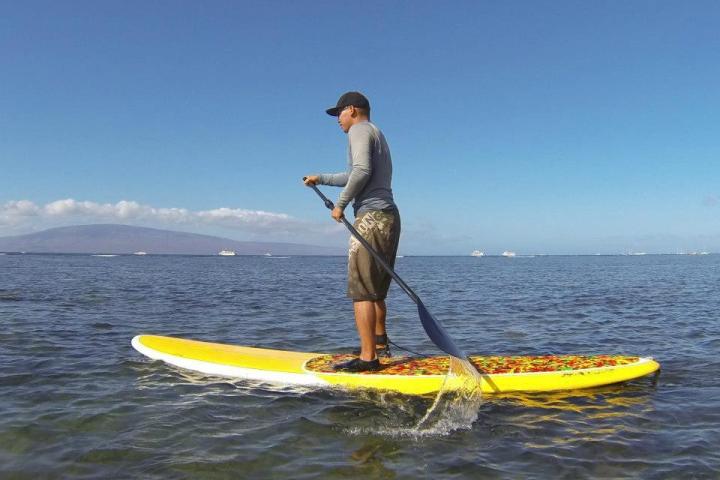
x=351 y=108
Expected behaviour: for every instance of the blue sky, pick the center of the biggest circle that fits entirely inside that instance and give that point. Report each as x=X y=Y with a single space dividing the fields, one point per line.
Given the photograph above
x=539 y=127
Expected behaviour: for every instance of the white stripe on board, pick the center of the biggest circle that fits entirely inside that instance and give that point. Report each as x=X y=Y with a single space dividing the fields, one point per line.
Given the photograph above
x=283 y=378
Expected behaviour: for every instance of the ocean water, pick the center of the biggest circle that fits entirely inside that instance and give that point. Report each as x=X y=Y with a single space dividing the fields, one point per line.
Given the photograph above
x=76 y=401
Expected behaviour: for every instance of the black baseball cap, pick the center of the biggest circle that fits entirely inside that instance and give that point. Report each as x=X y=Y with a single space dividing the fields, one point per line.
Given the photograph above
x=355 y=99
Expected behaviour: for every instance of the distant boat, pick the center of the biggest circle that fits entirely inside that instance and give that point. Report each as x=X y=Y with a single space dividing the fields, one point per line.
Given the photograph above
x=227 y=253
x=508 y=253
x=399 y=256
x=268 y=254
x=477 y=253
x=140 y=253
x=637 y=253
x=104 y=255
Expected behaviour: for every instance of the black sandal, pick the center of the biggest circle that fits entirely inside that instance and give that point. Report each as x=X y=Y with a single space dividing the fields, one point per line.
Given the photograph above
x=358 y=365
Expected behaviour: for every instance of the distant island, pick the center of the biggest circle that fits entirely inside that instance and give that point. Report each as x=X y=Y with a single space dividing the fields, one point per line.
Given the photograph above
x=126 y=239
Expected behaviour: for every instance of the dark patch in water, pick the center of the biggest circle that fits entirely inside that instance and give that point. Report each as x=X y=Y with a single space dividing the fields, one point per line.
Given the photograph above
x=10 y=296
x=102 y=326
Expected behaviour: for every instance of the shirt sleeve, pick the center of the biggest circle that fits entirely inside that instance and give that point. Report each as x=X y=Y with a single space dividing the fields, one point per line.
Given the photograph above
x=334 y=179
x=361 y=141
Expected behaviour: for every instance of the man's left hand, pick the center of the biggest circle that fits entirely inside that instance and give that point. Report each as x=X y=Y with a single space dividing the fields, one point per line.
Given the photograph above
x=337 y=214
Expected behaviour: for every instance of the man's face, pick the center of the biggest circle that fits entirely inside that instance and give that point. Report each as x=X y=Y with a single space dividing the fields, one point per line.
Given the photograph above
x=345 y=118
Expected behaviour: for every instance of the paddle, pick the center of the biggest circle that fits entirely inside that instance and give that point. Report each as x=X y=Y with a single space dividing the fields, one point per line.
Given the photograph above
x=433 y=327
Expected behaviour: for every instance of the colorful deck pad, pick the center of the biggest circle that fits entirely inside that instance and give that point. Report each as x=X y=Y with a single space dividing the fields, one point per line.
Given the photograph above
x=491 y=365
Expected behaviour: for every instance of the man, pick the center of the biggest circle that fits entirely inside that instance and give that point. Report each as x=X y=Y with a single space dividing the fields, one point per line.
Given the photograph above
x=367 y=183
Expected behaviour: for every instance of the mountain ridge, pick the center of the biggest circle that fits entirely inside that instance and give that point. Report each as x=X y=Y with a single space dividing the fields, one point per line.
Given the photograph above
x=124 y=239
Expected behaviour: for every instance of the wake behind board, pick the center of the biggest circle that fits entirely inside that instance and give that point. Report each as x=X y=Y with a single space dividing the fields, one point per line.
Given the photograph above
x=414 y=376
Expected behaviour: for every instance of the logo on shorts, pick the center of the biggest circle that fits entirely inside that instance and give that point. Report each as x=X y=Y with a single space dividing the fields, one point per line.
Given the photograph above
x=370 y=221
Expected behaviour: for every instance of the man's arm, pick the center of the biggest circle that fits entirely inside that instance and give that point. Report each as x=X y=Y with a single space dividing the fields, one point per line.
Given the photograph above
x=334 y=179
x=361 y=148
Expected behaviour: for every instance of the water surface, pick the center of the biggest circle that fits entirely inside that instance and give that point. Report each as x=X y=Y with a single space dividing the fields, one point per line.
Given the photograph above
x=77 y=401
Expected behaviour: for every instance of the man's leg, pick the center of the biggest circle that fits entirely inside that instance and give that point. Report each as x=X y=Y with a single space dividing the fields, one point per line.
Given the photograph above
x=380 y=314
x=365 y=320
x=382 y=347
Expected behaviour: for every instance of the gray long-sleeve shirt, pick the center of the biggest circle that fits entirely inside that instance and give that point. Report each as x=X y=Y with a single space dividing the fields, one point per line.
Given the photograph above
x=369 y=175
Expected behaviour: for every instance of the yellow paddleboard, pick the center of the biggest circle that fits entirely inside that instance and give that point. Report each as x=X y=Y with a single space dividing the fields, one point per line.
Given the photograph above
x=415 y=376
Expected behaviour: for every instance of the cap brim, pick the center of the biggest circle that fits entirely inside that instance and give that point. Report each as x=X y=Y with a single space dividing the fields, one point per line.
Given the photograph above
x=333 y=112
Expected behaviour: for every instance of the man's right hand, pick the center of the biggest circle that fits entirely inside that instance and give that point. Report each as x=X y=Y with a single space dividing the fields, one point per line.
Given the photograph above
x=312 y=180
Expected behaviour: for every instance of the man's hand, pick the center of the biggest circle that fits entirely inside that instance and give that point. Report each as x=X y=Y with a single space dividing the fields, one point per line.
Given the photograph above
x=337 y=214
x=312 y=180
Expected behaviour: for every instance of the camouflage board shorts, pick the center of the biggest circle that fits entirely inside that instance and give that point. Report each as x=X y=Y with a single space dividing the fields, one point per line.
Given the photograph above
x=367 y=279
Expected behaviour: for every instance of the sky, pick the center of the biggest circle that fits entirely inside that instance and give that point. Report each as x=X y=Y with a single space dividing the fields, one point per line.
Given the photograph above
x=557 y=127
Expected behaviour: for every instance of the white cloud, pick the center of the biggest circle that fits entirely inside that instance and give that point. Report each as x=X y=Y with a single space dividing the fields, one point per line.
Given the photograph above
x=19 y=215
x=18 y=209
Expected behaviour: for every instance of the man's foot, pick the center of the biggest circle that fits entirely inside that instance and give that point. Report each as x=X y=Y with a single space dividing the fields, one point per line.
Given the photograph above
x=357 y=365
x=382 y=346
x=383 y=351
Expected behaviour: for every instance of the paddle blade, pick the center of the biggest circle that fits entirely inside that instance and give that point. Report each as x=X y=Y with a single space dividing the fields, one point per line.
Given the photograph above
x=437 y=333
